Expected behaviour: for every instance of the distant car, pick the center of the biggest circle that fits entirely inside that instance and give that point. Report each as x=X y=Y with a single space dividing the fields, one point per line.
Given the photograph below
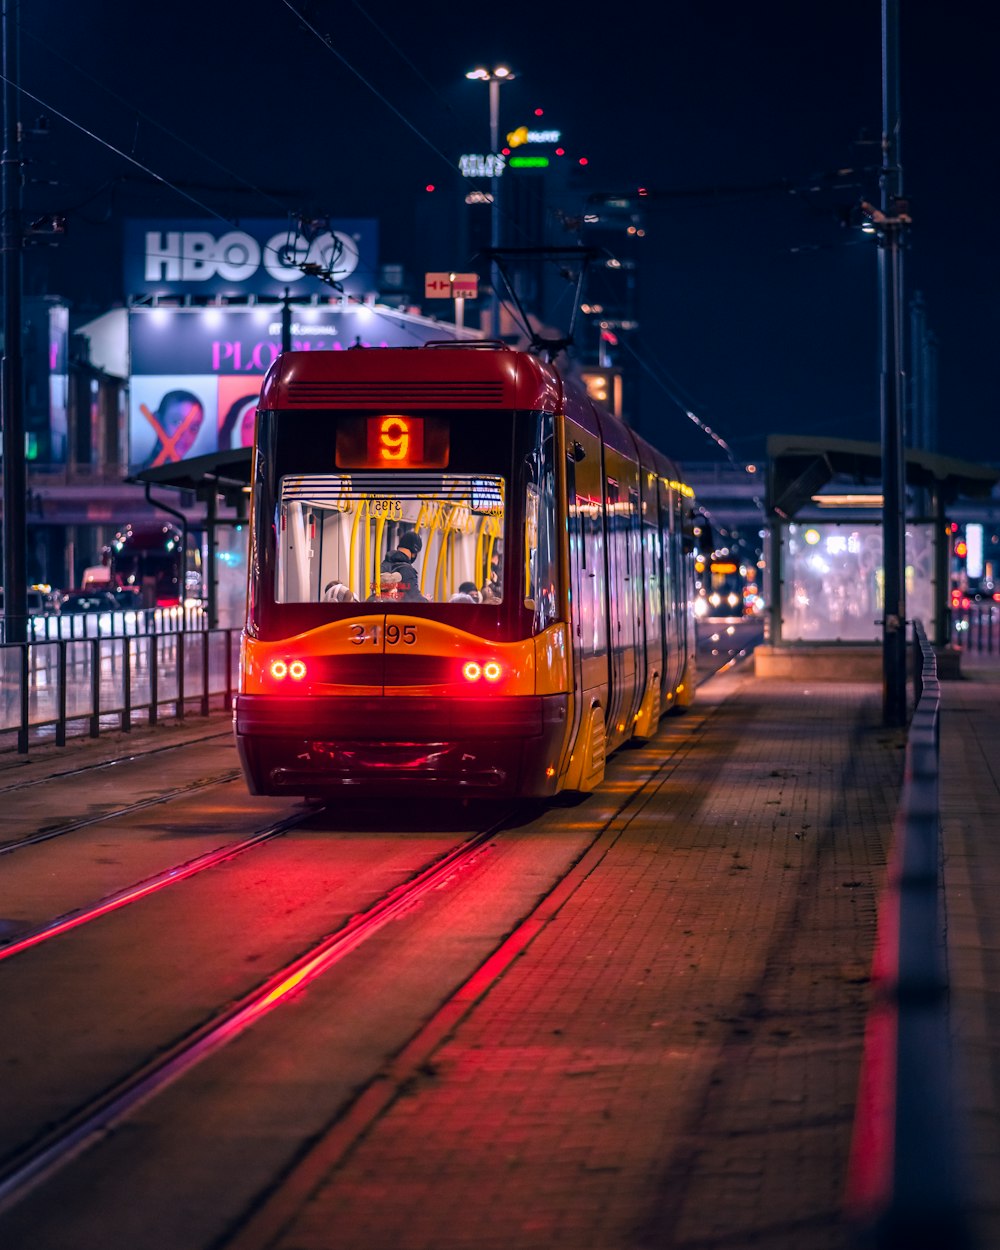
x=35 y=602
x=128 y=597
x=77 y=601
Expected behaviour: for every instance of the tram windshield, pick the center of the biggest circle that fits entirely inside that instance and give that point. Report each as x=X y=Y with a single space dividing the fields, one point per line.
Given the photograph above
x=416 y=537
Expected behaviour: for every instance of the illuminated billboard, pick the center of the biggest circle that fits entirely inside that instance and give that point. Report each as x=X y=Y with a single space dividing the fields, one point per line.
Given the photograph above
x=262 y=256
x=195 y=373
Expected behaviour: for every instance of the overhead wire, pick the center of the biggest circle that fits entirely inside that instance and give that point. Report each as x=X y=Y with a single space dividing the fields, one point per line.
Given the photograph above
x=684 y=406
x=326 y=41
x=401 y=54
x=375 y=312
x=125 y=156
x=670 y=388
x=151 y=173
x=138 y=113
x=30 y=95
x=296 y=10
x=179 y=190
x=164 y=181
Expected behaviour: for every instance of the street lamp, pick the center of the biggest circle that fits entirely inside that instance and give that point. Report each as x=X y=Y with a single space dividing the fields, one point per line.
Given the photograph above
x=494 y=78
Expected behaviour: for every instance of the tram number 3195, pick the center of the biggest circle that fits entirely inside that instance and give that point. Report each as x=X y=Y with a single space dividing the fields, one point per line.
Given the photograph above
x=395 y=635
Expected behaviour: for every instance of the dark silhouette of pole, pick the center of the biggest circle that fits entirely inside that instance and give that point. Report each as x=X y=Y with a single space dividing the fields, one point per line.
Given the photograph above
x=890 y=224
x=15 y=546
x=286 y=322
x=493 y=79
x=494 y=86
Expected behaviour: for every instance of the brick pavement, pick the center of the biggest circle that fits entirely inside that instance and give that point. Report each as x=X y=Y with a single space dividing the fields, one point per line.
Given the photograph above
x=673 y=1061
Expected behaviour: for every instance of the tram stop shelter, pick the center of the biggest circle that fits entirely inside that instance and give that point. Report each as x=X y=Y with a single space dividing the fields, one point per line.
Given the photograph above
x=823 y=550
x=220 y=482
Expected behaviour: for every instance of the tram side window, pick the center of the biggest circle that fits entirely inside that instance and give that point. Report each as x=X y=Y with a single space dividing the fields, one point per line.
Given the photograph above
x=585 y=486
x=635 y=554
x=618 y=562
x=669 y=551
x=540 y=528
x=346 y=538
x=653 y=564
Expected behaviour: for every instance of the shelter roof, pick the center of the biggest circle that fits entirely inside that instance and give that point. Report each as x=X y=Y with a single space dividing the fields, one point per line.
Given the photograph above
x=799 y=467
x=224 y=471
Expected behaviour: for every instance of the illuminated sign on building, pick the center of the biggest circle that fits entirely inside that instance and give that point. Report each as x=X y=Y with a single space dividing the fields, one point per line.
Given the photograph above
x=473 y=166
x=974 y=559
x=523 y=135
x=529 y=162
x=194 y=256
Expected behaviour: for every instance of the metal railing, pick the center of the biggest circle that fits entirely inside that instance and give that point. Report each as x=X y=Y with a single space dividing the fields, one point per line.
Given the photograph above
x=977 y=627
x=52 y=689
x=116 y=624
x=905 y=1177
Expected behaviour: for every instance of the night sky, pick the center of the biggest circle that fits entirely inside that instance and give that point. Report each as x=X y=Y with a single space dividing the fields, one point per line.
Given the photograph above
x=758 y=307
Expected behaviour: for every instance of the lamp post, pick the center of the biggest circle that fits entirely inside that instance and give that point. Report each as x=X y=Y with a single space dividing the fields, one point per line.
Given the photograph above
x=493 y=78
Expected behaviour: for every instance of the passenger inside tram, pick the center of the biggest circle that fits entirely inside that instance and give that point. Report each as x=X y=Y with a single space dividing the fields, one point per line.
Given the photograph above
x=339 y=533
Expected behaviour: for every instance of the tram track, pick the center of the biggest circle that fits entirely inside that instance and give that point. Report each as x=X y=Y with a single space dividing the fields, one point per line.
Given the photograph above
x=118 y=761
x=54 y=1148
x=171 y=875
x=49 y=1152
x=143 y=889
x=160 y=1067
x=45 y=835
x=352 y=1122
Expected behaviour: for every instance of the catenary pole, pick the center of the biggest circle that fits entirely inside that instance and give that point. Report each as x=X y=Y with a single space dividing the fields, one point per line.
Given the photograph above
x=494 y=88
x=890 y=262
x=15 y=545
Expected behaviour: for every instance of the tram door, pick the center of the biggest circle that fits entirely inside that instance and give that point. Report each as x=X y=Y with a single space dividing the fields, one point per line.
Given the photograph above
x=624 y=587
x=674 y=582
x=588 y=584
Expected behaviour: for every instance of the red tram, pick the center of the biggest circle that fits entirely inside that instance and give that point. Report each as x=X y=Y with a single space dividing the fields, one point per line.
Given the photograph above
x=541 y=617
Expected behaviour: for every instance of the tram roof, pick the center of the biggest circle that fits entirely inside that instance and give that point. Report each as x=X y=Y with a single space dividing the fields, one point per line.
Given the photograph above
x=799 y=467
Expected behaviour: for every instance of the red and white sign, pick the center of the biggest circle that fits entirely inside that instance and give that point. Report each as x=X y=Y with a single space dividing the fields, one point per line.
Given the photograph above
x=451 y=286
x=465 y=285
x=437 y=286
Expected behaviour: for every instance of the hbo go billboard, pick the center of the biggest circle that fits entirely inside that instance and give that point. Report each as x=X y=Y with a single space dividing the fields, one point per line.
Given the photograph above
x=203 y=256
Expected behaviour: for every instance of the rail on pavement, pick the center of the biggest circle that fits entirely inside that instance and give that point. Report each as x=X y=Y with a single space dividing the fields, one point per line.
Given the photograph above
x=905 y=1177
